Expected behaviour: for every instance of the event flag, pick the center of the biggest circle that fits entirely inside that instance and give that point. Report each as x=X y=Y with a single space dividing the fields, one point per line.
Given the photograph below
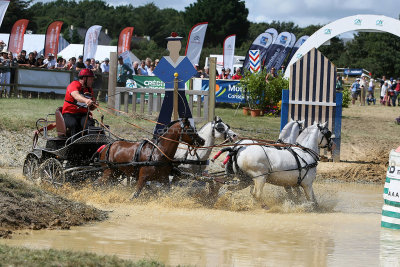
x=91 y=41
x=52 y=37
x=16 y=41
x=273 y=32
x=195 y=42
x=282 y=56
x=297 y=46
x=124 y=41
x=262 y=43
x=229 y=51
x=277 y=47
x=3 y=8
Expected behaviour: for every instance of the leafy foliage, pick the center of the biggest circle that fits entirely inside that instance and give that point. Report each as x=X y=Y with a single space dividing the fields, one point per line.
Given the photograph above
x=346 y=98
x=224 y=17
x=260 y=93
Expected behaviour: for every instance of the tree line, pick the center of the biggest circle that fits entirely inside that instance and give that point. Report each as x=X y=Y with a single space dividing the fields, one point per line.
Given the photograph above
x=376 y=52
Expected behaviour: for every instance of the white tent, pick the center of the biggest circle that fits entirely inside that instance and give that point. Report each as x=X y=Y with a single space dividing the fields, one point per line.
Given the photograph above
x=103 y=51
x=34 y=42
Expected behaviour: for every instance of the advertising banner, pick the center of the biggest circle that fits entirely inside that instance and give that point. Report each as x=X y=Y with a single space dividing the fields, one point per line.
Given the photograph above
x=148 y=81
x=277 y=47
x=353 y=72
x=3 y=8
x=16 y=41
x=124 y=41
x=52 y=37
x=226 y=91
x=273 y=32
x=91 y=41
x=282 y=56
x=297 y=45
x=195 y=42
x=229 y=51
x=262 y=43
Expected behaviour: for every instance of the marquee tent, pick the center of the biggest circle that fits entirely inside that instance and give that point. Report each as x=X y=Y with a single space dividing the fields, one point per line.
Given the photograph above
x=103 y=51
x=35 y=42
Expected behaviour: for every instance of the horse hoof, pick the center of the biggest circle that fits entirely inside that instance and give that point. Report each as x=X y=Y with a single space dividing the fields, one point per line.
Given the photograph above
x=134 y=196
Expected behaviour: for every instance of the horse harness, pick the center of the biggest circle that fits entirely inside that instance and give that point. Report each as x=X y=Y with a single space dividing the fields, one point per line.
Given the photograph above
x=136 y=157
x=299 y=160
x=216 y=126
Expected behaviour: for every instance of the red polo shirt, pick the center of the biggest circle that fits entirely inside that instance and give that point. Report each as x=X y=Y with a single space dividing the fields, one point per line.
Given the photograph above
x=71 y=108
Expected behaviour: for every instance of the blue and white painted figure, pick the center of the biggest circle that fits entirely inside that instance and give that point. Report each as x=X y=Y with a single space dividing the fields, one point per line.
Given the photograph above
x=165 y=70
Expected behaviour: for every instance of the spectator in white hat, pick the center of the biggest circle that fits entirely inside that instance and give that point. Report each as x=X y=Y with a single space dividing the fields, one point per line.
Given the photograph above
x=50 y=62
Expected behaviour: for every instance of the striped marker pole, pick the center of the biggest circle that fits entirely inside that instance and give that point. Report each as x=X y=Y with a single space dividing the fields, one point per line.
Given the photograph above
x=391 y=193
x=255 y=64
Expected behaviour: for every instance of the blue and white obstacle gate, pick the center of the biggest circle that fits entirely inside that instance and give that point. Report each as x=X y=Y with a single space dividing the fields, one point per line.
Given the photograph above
x=312 y=95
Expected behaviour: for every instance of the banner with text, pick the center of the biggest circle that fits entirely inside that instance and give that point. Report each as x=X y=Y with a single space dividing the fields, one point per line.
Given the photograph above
x=226 y=91
x=124 y=41
x=273 y=32
x=91 y=41
x=229 y=51
x=52 y=37
x=16 y=41
x=148 y=81
x=3 y=8
x=286 y=50
x=262 y=43
x=297 y=45
x=195 y=42
x=282 y=41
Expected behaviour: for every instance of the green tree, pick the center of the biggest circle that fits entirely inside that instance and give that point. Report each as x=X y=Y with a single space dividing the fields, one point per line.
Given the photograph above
x=17 y=9
x=224 y=17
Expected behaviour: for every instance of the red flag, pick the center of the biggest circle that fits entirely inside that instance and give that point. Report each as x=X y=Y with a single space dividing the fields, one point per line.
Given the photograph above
x=124 y=41
x=52 y=37
x=16 y=41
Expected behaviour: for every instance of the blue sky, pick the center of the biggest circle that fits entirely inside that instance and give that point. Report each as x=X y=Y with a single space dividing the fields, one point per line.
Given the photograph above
x=302 y=12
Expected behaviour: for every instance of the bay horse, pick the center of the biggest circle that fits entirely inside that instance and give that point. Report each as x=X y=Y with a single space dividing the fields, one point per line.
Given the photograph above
x=149 y=160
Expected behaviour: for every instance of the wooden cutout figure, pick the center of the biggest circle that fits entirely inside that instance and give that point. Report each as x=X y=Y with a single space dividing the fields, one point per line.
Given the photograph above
x=165 y=70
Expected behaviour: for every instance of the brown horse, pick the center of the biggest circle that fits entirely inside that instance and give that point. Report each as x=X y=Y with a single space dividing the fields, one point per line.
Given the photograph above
x=123 y=157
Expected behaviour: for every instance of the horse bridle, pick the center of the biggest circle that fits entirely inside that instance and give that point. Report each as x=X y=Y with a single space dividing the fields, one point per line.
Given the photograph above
x=219 y=127
x=190 y=132
x=327 y=134
x=300 y=126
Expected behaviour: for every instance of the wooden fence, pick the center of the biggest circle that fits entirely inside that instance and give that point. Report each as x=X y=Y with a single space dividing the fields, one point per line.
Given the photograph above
x=153 y=97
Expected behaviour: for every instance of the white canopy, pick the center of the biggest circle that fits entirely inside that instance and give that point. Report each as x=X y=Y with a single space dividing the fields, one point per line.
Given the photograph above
x=103 y=51
x=34 y=42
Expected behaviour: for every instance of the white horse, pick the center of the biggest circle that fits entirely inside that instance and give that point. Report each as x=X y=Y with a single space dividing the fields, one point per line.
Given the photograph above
x=288 y=135
x=294 y=166
x=210 y=132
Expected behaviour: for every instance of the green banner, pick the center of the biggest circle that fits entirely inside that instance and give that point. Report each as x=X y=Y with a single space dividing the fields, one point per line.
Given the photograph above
x=148 y=81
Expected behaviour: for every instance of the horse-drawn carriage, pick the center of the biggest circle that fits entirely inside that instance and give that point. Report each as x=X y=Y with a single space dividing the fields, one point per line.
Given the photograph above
x=96 y=152
x=64 y=158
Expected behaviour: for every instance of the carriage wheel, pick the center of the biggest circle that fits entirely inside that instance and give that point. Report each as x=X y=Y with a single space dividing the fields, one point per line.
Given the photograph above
x=31 y=167
x=52 y=171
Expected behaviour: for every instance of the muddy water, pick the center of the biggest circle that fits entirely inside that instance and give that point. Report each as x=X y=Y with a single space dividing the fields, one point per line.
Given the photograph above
x=235 y=231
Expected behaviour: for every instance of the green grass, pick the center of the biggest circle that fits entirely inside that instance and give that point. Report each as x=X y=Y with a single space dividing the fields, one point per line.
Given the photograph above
x=18 y=114
x=16 y=256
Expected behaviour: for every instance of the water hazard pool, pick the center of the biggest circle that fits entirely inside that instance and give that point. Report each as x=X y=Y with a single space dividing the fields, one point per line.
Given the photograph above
x=346 y=233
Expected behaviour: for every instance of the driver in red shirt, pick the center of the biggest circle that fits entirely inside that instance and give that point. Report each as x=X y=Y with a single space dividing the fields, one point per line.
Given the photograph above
x=78 y=98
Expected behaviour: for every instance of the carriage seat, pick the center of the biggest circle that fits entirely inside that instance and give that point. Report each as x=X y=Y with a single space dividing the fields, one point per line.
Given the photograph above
x=60 y=124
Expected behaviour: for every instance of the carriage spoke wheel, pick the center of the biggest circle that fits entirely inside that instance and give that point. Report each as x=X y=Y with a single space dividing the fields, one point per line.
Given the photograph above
x=51 y=171
x=31 y=168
